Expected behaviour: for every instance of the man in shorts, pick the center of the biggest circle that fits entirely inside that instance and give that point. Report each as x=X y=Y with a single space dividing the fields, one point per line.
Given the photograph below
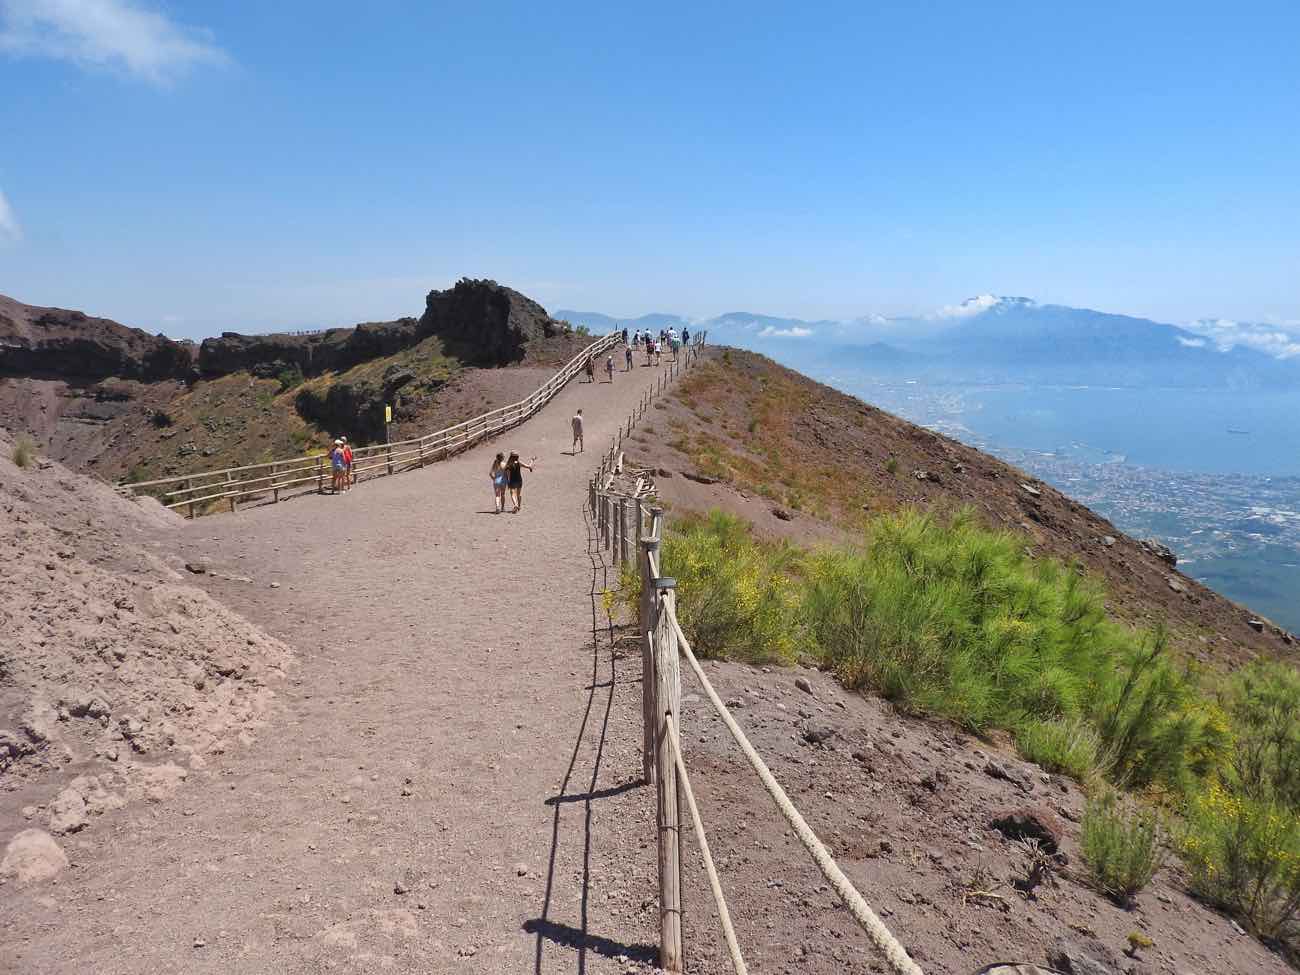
x=577 y=432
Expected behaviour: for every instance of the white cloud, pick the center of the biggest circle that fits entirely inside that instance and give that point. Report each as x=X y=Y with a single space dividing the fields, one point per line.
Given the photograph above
x=1278 y=340
x=1192 y=343
x=971 y=306
x=120 y=34
x=9 y=228
x=794 y=332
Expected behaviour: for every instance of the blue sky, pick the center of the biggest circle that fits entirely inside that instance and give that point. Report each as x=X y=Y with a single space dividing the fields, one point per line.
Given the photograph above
x=193 y=167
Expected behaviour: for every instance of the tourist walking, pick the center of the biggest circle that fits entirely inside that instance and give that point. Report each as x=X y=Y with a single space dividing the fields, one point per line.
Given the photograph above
x=591 y=369
x=348 y=477
x=515 y=479
x=686 y=336
x=627 y=358
x=609 y=366
x=625 y=336
x=577 y=433
x=497 y=473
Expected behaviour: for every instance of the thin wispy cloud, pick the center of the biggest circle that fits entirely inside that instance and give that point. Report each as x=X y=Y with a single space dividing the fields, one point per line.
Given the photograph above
x=10 y=231
x=1280 y=341
x=123 y=35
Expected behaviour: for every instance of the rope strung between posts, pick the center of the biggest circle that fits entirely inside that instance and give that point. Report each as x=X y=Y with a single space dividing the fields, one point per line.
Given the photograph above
x=880 y=935
x=737 y=961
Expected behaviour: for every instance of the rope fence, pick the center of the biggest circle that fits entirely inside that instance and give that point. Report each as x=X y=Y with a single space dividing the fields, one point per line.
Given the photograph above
x=617 y=509
x=196 y=492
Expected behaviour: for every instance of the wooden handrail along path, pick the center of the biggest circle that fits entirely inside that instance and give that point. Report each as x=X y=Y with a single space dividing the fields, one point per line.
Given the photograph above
x=616 y=511
x=308 y=472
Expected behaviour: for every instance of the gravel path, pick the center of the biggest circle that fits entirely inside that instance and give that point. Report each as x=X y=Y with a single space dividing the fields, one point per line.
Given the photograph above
x=448 y=779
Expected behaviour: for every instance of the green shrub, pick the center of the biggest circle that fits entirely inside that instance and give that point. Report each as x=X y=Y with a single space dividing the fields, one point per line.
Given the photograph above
x=1120 y=848
x=1067 y=745
x=1244 y=855
x=736 y=596
x=1262 y=703
x=947 y=617
x=1149 y=715
x=891 y=465
x=24 y=452
x=290 y=378
x=583 y=330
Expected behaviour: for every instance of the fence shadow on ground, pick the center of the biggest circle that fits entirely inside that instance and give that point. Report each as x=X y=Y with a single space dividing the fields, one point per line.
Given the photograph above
x=579 y=938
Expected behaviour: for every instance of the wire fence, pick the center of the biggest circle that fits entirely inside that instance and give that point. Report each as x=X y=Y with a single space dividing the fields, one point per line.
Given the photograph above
x=622 y=502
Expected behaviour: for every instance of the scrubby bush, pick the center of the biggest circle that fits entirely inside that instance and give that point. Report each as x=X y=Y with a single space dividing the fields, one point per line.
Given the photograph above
x=1244 y=855
x=1262 y=702
x=1068 y=745
x=290 y=378
x=1150 y=717
x=1120 y=847
x=945 y=616
x=737 y=596
x=24 y=452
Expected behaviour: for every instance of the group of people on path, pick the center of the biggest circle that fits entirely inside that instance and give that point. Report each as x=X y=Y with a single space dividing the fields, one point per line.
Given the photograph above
x=340 y=455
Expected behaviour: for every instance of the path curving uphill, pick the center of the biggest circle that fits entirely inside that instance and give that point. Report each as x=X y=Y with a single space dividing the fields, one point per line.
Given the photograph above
x=448 y=780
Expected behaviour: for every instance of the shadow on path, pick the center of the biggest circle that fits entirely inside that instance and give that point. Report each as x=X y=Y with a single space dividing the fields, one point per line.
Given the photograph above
x=579 y=938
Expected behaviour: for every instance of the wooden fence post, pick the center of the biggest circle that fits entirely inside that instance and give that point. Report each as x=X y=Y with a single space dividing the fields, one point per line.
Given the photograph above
x=275 y=483
x=616 y=547
x=320 y=476
x=189 y=492
x=668 y=811
x=648 y=545
x=230 y=479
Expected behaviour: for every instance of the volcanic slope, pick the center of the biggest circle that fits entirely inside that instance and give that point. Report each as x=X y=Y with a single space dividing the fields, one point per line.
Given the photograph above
x=449 y=778
x=803 y=461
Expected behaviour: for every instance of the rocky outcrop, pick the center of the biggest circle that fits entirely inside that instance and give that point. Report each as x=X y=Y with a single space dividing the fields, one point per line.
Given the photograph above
x=334 y=350
x=485 y=323
x=58 y=342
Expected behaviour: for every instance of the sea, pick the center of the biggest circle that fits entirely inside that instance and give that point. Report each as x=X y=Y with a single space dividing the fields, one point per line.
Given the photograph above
x=1214 y=474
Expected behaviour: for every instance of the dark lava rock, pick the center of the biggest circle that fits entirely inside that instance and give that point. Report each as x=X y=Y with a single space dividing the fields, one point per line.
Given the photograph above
x=484 y=322
x=335 y=349
x=699 y=478
x=1083 y=957
x=816 y=734
x=1160 y=550
x=782 y=514
x=1030 y=823
x=58 y=342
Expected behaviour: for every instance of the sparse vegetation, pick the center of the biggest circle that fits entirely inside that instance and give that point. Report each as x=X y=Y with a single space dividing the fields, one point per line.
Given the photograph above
x=1243 y=855
x=161 y=419
x=1067 y=745
x=290 y=378
x=24 y=452
x=1120 y=846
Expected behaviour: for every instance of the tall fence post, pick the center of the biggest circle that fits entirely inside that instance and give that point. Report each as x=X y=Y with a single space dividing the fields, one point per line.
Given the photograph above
x=189 y=490
x=275 y=483
x=649 y=545
x=230 y=480
x=668 y=811
x=616 y=543
x=320 y=476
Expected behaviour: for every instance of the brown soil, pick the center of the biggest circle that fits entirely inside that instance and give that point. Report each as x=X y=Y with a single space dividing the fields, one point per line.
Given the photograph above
x=775 y=440
x=447 y=781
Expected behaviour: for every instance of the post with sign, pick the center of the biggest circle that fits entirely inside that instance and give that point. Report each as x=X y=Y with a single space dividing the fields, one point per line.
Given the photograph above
x=388 y=442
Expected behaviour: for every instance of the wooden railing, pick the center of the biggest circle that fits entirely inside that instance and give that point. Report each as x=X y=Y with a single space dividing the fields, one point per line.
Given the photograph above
x=622 y=501
x=196 y=492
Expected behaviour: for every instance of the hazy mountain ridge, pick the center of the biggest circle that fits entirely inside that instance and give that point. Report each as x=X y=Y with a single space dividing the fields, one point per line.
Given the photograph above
x=998 y=339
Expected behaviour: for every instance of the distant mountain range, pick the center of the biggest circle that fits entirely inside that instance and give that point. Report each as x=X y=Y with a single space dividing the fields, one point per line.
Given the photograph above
x=1011 y=339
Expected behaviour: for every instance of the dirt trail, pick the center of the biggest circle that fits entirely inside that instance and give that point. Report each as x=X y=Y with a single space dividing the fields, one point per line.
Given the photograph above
x=446 y=781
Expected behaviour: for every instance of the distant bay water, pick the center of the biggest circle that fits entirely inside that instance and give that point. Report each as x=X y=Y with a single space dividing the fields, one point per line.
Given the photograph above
x=1213 y=473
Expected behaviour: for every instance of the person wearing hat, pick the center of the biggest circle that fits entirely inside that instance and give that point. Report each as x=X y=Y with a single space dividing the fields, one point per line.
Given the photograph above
x=337 y=466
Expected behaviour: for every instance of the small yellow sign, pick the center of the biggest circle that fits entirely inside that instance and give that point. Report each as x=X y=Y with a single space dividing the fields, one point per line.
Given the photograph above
x=388 y=414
